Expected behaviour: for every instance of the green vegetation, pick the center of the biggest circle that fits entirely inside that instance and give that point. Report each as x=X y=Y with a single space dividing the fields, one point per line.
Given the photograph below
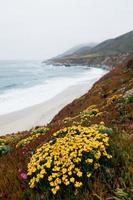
x=4 y=148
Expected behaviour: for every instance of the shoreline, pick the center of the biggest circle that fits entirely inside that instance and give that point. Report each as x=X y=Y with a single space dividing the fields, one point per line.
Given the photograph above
x=41 y=114
x=99 y=66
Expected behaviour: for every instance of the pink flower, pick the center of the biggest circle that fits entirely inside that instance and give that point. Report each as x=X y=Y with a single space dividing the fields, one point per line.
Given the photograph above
x=23 y=175
x=20 y=170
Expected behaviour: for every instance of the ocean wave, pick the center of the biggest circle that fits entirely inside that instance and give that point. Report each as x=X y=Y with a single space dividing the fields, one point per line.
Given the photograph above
x=20 y=98
x=6 y=87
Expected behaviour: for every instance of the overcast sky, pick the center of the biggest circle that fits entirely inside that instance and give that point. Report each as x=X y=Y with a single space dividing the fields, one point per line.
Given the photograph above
x=39 y=29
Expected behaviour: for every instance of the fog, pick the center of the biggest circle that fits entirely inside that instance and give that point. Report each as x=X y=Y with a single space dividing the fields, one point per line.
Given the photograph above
x=40 y=29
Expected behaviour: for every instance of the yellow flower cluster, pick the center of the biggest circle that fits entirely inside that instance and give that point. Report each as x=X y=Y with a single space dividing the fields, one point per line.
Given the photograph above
x=113 y=99
x=68 y=158
x=92 y=108
x=89 y=112
x=27 y=140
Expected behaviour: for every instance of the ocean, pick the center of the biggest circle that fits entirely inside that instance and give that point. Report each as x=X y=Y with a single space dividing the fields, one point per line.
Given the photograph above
x=27 y=83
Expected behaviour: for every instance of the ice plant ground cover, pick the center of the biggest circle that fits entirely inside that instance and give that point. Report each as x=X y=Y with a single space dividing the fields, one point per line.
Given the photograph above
x=69 y=159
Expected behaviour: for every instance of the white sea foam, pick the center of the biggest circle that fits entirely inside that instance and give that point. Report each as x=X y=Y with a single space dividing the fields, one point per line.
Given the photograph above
x=18 y=99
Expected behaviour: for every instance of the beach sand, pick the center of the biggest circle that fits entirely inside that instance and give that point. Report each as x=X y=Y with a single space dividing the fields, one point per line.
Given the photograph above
x=43 y=113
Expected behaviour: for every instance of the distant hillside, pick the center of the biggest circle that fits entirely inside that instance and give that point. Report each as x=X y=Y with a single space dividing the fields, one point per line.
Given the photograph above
x=76 y=50
x=71 y=51
x=109 y=52
x=121 y=44
x=85 y=48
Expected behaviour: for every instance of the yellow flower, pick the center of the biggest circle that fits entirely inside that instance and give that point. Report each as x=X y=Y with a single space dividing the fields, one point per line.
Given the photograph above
x=66 y=182
x=88 y=174
x=109 y=156
x=50 y=178
x=89 y=160
x=102 y=123
x=79 y=174
x=64 y=170
x=54 y=191
x=37 y=179
x=51 y=183
x=57 y=187
x=64 y=177
x=98 y=155
x=43 y=171
x=78 y=184
x=72 y=180
x=58 y=181
x=70 y=173
x=48 y=164
x=32 y=185
x=96 y=165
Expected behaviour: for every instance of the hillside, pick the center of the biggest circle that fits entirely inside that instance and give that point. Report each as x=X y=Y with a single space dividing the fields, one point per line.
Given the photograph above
x=121 y=44
x=109 y=52
x=85 y=153
x=77 y=50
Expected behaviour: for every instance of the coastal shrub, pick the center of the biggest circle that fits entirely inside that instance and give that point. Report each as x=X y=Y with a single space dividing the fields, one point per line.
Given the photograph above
x=129 y=99
x=91 y=111
x=113 y=99
x=66 y=162
x=35 y=133
x=4 y=148
x=104 y=129
x=27 y=140
x=2 y=141
x=41 y=130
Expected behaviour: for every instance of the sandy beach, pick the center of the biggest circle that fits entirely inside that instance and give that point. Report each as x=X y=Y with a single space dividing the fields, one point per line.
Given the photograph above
x=43 y=113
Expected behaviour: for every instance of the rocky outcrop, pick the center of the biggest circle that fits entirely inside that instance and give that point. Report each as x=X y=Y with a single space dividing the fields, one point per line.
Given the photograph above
x=108 y=62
